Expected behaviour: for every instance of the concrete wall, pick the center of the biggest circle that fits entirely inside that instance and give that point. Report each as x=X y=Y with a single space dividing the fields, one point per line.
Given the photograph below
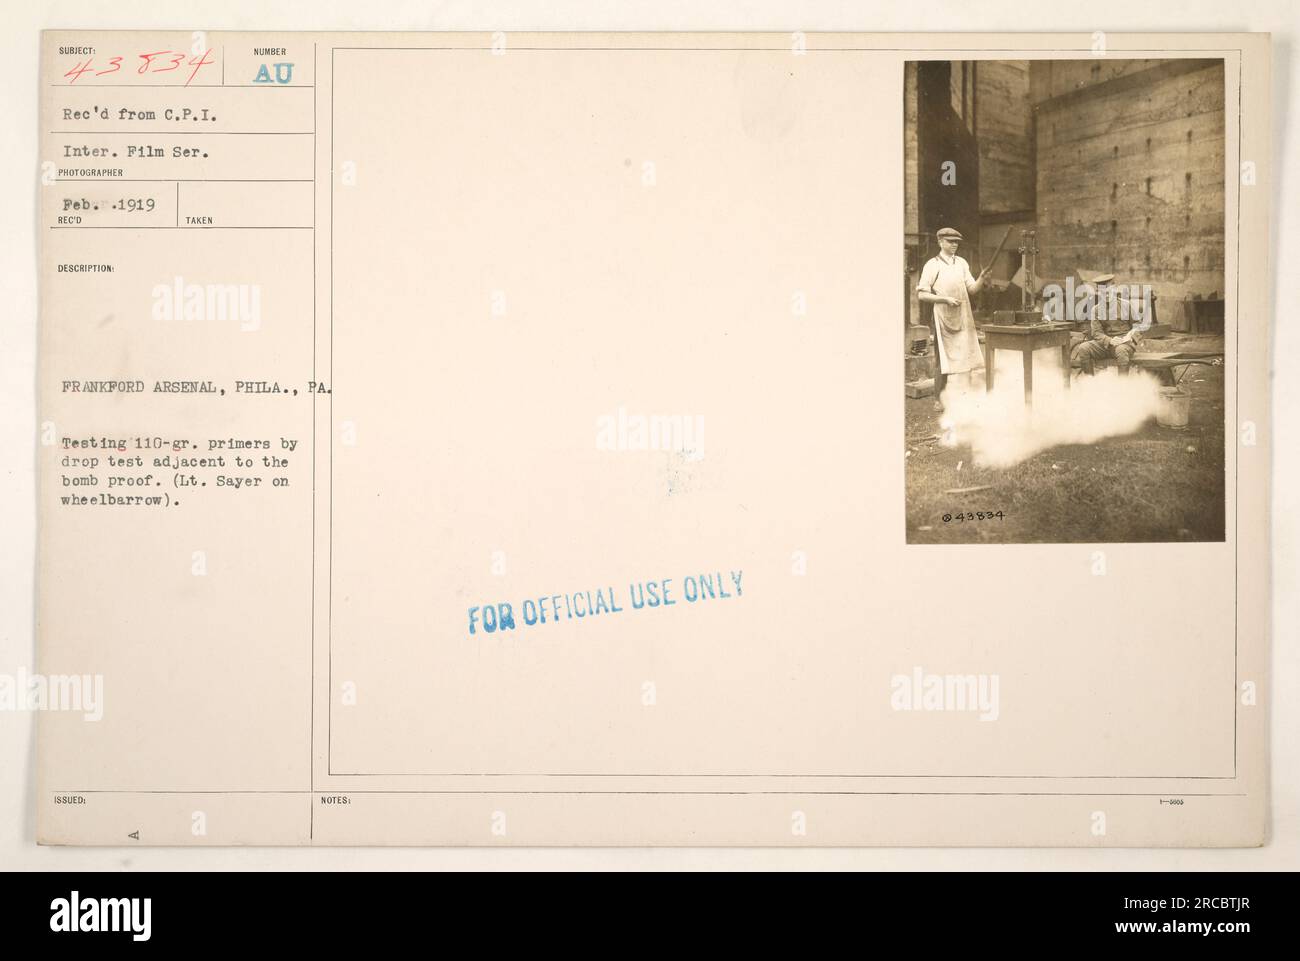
x=913 y=245
x=937 y=129
x=1004 y=126
x=1130 y=173
x=1119 y=164
x=943 y=136
x=1053 y=78
x=911 y=215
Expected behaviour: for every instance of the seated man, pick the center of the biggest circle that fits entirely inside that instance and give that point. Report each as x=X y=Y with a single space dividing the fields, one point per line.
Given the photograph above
x=1112 y=333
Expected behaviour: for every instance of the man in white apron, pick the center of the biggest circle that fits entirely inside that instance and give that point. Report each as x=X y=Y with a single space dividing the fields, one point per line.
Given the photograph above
x=946 y=282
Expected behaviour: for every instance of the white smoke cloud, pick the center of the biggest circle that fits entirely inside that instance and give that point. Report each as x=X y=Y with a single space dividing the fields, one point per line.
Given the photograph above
x=1002 y=431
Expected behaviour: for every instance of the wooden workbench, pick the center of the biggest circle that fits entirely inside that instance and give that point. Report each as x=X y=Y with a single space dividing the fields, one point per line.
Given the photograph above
x=1026 y=338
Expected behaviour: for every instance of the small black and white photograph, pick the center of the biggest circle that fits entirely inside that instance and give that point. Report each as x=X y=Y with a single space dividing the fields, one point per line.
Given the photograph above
x=1064 y=349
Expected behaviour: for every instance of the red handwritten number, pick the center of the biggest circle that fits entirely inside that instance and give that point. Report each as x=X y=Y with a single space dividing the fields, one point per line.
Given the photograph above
x=77 y=71
x=197 y=62
x=148 y=64
x=148 y=59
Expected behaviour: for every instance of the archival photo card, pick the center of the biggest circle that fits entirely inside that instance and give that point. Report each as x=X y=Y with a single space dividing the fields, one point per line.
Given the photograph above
x=493 y=439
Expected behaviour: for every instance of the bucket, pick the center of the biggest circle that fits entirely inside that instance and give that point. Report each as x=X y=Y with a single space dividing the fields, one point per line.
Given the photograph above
x=1172 y=407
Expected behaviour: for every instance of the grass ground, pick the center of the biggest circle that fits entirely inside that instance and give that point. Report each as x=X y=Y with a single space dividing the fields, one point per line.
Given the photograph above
x=1155 y=484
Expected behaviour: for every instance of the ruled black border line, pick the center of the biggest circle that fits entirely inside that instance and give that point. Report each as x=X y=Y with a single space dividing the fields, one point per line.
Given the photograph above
x=987 y=55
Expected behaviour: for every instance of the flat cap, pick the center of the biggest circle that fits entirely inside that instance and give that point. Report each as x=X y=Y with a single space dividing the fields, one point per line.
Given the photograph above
x=949 y=233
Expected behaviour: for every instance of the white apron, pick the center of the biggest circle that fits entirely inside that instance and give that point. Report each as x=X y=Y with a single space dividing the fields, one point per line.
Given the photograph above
x=959 y=347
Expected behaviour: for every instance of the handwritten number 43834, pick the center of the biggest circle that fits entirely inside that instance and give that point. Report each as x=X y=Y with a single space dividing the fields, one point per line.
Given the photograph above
x=961 y=516
x=160 y=61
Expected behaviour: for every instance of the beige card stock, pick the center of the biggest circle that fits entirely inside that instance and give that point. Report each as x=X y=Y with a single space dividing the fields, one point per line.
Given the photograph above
x=524 y=439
